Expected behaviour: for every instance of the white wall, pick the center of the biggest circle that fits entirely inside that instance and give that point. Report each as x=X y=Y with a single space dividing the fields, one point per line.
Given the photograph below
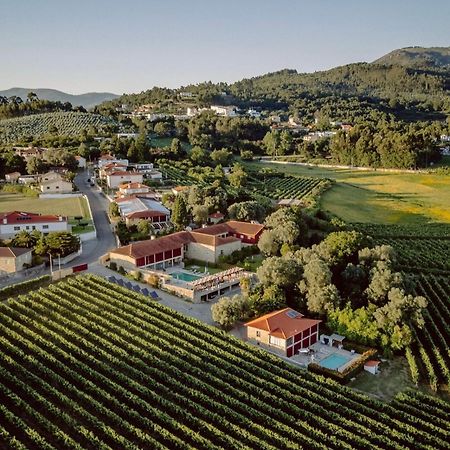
x=9 y=230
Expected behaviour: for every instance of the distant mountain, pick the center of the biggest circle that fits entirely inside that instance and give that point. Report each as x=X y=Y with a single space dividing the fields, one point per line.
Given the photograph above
x=418 y=57
x=88 y=100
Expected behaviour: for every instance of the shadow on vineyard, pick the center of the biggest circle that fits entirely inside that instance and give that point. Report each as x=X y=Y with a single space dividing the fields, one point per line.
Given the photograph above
x=87 y=364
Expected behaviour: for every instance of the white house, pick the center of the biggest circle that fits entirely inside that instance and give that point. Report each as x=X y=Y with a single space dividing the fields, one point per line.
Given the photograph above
x=253 y=113
x=56 y=187
x=81 y=161
x=126 y=189
x=13 y=222
x=12 y=177
x=226 y=111
x=127 y=135
x=110 y=159
x=135 y=208
x=372 y=366
x=114 y=179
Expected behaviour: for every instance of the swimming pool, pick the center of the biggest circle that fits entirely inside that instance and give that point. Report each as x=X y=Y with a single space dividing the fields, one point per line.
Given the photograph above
x=334 y=361
x=188 y=277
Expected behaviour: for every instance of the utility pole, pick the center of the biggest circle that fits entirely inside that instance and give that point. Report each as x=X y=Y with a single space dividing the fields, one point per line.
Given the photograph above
x=51 y=265
x=59 y=261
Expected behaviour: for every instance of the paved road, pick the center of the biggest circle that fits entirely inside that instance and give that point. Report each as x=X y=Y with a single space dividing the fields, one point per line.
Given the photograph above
x=92 y=250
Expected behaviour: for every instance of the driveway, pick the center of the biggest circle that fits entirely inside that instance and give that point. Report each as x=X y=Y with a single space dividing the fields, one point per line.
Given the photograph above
x=200 y=311
x=105 y=241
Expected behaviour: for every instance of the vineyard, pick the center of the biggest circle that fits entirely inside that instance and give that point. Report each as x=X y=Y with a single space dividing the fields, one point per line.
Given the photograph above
x=419 y=247
x=67 y=123
x=429 y=357
x=87 y=364
x=291 y=187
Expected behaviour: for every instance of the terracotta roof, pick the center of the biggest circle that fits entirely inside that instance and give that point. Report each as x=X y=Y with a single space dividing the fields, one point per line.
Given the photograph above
x=232 y=226
x=153 y=246
x=248 y=228
x=372 y=363
x=26 y=217
x=133 y=186
x=208 y=239
x=122 y=173
x=13 y=252
x=13 y=173
x=216 y=215
x=145 y=214
x=106 y=157
x=280 y=324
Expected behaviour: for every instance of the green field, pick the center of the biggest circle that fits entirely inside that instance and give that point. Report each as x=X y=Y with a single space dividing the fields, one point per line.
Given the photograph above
x=88 y=364
x=379 y=197
x=71 y=207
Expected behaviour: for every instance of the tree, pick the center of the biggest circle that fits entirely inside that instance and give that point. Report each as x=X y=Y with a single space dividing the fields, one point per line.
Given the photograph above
x=180 y=215
x=271 y=142
x=222 y=157
x=175 y=147
x=162 y=129
x=238 y=176
x=383 y=279
x=62 y=243
x=14 y=163
x=199 y=156
x=285 y=143
x=35 y=165
x=228 y=310
x=114 y=210
x=272 y=298
x=144 y=227
x=282 y=272
x=23 y=239
x=247 y=211
x=268 y=243
x=133 y=153
x=340 y=246
x=200 y=214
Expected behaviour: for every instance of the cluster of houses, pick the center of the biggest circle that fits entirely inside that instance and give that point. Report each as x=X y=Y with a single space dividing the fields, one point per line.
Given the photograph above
x=116 y=171
x=53 y=182
x=204 y=244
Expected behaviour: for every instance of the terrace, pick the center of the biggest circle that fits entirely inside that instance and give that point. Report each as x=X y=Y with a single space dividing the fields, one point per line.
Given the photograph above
x=202 y=287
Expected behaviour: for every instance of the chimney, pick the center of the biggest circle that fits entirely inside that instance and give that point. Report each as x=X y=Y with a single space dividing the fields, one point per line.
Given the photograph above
x=60 y=218
x=5 y=221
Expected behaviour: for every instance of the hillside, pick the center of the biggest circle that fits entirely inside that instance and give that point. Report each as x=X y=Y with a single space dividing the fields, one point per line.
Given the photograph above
x=88 y=100
x=418 y=57
x=65 y=123
x=348 y=93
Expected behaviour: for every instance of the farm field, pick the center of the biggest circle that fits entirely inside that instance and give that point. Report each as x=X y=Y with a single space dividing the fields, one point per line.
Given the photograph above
x=291 y=187
x=431 y=351
x=67 y=123
x=378 y=197
x=87 y=364
x=72 y=207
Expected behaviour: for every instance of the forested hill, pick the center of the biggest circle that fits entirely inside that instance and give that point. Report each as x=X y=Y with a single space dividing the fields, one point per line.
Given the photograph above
x=87 y=100
x=418 y=57
x=344 y=93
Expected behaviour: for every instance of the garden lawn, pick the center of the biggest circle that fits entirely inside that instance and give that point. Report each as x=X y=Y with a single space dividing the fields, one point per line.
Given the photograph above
x=71 y=207
x=379 y=197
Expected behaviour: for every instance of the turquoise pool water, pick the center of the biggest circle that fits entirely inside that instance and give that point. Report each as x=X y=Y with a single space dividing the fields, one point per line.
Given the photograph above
x=185 y=276
x=333 y=362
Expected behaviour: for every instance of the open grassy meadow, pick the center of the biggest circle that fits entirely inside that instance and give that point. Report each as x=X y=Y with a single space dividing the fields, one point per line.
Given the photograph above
x=379 y=197
x=74 y=206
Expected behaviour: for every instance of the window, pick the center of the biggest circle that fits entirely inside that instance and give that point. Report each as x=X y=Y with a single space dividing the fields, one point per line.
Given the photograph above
x=289 y=341
x=48 y=187
x=16 y=228
x=45 y=227
x=33 y=227
x=276 y=341
x=27 y=227
x=258 y=333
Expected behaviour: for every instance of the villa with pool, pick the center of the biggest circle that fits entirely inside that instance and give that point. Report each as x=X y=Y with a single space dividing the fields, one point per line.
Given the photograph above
x=287 y=332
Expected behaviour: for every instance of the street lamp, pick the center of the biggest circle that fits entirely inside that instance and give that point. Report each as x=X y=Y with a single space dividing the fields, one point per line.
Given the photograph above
x=51 y=265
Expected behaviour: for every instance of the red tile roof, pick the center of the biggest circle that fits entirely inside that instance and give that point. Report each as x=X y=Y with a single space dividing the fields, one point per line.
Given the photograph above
x=133 y=186
x=279 y=324
x=122 y=173
x=146 y=214
x=153 y=246
x=372 y=363
x=13 y=252
x=232 y=226
x=216 y=215
x=26 y=217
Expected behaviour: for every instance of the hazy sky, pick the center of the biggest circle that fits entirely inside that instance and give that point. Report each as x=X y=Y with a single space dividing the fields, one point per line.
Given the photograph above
x=131 y=45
